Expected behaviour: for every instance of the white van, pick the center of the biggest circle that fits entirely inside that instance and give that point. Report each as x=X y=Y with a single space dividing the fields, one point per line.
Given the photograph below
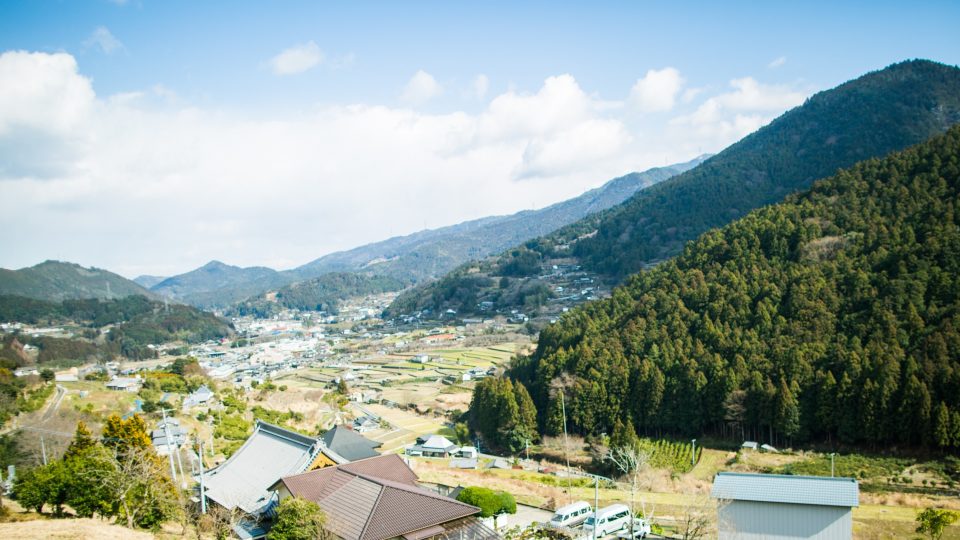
x=608 y=520
x=641 y=528
x=571 y=515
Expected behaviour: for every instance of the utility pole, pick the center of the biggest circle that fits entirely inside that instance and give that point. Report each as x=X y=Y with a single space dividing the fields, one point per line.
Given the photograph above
x=43 y=450
x=166 y=431
x=596 y=504
x=203 y=493
x=596 y=498
x=693 y=453
x=183 y=479
x=831 y=463
x=566 y=443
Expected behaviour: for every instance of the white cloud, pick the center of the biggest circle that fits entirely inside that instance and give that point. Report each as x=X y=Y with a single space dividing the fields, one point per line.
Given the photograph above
x=777 y=62
x=480 y=86
x=43 y=104
x=657 y=90
x=143 y=183
x=296 y=59
x=422 y=87
x=104 y=40
x=734 y=114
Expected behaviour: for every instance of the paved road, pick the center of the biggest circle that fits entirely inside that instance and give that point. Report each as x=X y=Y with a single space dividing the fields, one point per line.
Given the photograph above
x=525 y=516
x=61 y=391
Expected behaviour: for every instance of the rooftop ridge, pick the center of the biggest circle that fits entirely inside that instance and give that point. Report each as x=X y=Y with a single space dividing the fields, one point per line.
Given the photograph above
x=797 y=476
x=410 y=489
x=285 y=433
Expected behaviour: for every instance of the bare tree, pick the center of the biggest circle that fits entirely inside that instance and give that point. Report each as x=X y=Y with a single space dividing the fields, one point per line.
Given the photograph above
x=699 y=518
x=631 y=461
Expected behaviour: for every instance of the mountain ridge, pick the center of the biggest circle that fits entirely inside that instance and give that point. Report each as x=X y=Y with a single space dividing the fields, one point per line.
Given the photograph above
x=829 y=316
x=869 y=116
x=410 y=258
x=58 y=280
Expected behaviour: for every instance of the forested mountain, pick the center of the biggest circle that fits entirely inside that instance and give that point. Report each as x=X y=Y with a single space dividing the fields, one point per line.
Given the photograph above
x=129 y=325
x=323 y=293
x=219 y=284
x=833 y=315
x=55 y=281
x=868 y=117
x=412 y=258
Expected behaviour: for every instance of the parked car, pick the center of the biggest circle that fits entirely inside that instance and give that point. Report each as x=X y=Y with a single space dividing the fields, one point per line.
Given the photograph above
x=571 y=515
x=640 y=530
x=608 y=520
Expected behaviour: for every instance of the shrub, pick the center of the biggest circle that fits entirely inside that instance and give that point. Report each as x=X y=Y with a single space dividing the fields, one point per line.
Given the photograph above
x=298 y=519
x=490 y=502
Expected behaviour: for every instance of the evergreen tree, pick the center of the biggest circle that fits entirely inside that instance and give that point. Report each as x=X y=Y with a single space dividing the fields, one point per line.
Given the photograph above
x=82 y=440
x=812 y=308
x=941 y=427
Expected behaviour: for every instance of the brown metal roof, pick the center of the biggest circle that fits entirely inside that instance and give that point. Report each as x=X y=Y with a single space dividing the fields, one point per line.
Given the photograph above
x=375 y=499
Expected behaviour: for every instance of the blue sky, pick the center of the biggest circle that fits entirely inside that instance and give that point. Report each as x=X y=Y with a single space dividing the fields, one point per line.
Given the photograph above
x=214 y=52
x=272 y=133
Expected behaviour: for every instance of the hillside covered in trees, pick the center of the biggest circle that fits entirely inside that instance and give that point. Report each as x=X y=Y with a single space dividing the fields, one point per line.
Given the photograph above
x=107 y=328
x=55 y=280
x=870 y=116
x=323 y=293
x=834 y=315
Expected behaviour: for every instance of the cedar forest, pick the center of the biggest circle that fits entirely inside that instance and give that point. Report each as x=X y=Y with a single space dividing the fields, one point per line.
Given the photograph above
x=830 y=316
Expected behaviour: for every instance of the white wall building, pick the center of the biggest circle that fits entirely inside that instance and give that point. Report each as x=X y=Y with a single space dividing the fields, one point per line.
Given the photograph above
x=773 y=506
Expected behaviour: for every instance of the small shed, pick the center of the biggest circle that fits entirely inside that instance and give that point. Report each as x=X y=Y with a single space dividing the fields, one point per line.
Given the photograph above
x=772 y=506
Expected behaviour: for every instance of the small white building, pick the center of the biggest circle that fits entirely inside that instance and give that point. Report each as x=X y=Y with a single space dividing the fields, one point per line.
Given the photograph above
x=774 y=506
x=125 y=384
x=200 y=396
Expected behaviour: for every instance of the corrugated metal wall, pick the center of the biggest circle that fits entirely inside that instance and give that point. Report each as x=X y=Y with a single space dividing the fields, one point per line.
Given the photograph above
x=748 y=520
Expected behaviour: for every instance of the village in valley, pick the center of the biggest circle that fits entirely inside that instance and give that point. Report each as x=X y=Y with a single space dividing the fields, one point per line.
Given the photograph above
x=334 y=407
x=390 y=270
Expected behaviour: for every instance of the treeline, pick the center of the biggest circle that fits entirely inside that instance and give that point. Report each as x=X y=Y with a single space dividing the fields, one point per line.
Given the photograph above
x=508 y=283
x=136 y=323
x=318 y=294
x=503 y=413
x=832 y=316
x=871 y=116
x=120 y=475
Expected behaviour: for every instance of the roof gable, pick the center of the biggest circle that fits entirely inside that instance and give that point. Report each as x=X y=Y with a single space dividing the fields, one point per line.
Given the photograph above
x=437 y=442
x=375 y=499
x=243 y=481
x=789 y=489
x=349 y=444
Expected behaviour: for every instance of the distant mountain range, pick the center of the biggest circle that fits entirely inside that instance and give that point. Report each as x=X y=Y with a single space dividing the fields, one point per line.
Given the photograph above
x=55 y=281
x=871 y=116
x=406 y=259
x=148 y=281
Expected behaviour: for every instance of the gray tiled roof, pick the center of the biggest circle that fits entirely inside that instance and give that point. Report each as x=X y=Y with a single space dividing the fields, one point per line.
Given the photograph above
x=779 y=488
x=349 y=444
x=243 y=481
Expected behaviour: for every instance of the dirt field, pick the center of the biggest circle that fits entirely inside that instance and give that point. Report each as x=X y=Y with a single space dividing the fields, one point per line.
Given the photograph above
x=70 y=529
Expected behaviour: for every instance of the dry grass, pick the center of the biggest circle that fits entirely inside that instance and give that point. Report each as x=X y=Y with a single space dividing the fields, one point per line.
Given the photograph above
x=909 y=500
x=69 y=529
